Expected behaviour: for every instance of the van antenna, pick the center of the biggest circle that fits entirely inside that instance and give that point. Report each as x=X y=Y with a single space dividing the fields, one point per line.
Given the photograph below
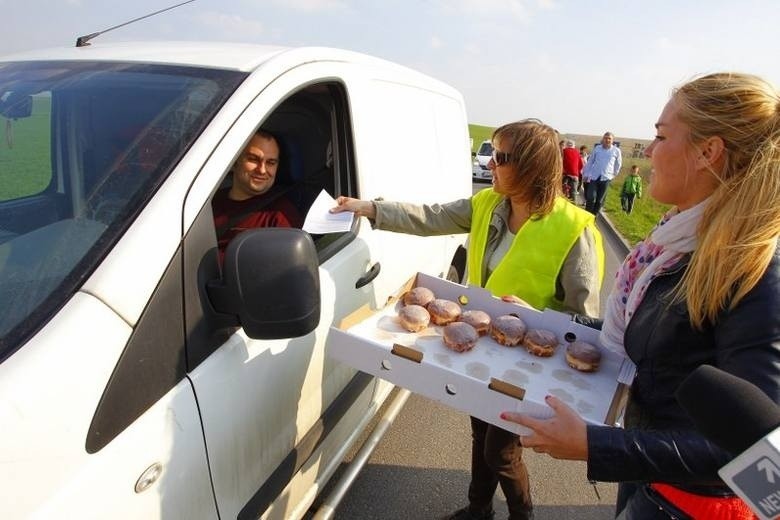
x=83 y=41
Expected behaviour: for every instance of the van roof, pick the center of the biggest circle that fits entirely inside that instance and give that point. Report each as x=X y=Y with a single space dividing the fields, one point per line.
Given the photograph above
x=222 y=55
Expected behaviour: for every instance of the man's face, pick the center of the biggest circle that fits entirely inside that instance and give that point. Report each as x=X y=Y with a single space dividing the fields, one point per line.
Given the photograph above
x=255 y=170
x=606 y=141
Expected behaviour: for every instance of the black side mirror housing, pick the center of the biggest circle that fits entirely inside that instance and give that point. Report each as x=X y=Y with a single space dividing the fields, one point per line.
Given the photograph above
x=270 y=284
x=473 y=154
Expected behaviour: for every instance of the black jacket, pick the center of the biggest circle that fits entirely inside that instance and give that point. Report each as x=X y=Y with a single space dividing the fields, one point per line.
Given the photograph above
x=659 y=442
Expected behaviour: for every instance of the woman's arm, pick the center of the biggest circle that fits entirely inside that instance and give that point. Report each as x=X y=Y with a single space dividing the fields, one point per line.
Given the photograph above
x=579 y=277
x=414 y=219
x=425 y=220
x=617 y=455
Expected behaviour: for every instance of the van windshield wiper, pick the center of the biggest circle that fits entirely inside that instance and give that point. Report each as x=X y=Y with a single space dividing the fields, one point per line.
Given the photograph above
x=83 y=41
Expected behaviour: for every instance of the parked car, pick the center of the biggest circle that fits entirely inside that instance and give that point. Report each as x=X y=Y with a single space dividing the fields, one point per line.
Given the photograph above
x=479 y=167
x=138 y=377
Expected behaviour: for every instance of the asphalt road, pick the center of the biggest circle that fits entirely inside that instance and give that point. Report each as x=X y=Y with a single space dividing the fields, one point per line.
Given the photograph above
x=420 y=470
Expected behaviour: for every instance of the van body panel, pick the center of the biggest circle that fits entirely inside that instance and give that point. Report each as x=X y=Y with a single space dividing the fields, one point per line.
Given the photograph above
x=45 y=426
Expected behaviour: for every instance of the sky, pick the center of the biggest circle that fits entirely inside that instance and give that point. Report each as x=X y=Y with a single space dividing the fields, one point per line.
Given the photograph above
x=582 y=67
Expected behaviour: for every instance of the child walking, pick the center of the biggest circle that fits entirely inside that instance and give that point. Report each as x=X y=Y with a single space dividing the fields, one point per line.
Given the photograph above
x=632 y=188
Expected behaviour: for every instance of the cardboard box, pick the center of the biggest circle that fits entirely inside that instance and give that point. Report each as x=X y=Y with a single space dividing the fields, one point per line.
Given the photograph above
x=490 y=378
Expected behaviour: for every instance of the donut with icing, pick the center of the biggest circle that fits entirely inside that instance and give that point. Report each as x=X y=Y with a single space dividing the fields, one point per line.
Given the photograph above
x=508 y=330
x=443 y=311
x=459 y=336
x=540 y=342
x=419 y=296
x=583 y=356
x=480 y=320
x=413 y=318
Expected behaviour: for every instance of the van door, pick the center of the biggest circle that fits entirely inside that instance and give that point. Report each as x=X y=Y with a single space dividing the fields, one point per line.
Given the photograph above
x=276 y=414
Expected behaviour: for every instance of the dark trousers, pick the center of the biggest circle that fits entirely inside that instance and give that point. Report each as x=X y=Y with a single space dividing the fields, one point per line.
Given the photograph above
x=627 y=201
x=595 y=193
x=570 y=186
x=497 y=458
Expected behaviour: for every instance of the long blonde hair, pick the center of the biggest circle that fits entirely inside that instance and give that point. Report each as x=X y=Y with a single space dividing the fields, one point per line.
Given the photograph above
x=738 y=233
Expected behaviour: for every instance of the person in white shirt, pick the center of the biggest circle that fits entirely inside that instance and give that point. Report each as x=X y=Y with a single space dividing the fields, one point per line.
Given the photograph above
x=603 y=165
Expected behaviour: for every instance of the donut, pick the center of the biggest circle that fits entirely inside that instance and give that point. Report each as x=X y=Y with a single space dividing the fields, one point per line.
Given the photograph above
x=480 y=320
x=443 y=311
x=460 y=336
x=419 y=296
x=508 y=330
x=413 y=318
x=540 y=342
x=583 y=356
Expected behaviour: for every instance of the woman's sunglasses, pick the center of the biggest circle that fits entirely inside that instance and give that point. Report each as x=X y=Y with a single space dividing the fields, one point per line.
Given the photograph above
x=500 y=158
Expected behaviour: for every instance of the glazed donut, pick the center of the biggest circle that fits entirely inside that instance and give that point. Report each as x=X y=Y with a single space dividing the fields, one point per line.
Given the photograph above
x=413 y=318
x=460 y=336
x=508 y=330
x=480 y=320
x=583 y=356
x=540 y=342
x=443 y=311
x=419 y=296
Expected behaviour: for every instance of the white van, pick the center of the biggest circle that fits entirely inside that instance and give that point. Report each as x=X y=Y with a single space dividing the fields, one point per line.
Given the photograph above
x=138 y=379
x=479 y=168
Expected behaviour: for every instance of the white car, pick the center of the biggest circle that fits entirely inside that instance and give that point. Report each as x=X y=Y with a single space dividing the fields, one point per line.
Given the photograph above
x=479 y=167
x=138 y=379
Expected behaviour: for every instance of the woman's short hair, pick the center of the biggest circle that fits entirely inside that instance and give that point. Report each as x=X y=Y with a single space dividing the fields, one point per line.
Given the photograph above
x=535 y=157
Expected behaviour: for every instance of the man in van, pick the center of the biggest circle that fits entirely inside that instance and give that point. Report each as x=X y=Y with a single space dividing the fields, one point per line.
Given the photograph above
x=252 y=201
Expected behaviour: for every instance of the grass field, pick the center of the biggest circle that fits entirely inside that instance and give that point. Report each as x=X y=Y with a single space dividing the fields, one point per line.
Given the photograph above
x=646 y=211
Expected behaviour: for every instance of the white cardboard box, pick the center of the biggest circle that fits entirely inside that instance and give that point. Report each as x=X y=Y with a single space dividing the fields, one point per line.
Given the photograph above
x=490 y=378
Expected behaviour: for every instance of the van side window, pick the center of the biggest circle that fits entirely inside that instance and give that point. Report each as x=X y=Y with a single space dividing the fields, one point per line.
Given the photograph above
x=302 y=148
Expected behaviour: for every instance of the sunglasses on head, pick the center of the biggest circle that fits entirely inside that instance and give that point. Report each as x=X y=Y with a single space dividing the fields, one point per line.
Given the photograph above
x=500 y=158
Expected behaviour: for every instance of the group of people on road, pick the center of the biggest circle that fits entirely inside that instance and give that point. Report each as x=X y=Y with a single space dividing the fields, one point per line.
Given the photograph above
x=702 y=288
x=595 y=171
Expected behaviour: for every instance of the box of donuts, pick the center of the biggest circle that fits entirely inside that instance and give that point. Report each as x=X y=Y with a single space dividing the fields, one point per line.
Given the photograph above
x=469 y=350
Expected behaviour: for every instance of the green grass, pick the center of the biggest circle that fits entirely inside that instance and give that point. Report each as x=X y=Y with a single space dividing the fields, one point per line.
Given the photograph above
x=646 y=212
x=25 y=152
x=479 y=133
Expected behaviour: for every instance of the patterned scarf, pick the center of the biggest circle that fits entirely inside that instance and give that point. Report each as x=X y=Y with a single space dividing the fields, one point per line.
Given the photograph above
x=672 y=237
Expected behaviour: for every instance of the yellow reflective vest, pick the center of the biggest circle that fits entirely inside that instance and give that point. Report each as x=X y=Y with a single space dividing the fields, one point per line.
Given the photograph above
x=531 y=266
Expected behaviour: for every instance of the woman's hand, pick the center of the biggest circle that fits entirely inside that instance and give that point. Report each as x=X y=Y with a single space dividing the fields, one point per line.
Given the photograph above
x=511 y=298
x=564 y=436
x=362 y=208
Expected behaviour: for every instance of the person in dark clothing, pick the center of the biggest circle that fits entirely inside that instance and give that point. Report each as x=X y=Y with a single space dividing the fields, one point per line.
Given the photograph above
x=251 y=201
x=703 y=288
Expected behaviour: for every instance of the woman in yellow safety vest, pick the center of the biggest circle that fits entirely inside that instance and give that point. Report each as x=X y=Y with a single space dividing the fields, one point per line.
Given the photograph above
x=527 y=243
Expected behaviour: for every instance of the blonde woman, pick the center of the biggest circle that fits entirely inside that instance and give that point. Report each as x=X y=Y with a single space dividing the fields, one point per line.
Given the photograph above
x=703 y=288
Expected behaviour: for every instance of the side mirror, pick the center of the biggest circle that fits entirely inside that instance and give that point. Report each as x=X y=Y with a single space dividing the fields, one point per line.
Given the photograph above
x=16 y=106
x=473 y=154
x=270 y=284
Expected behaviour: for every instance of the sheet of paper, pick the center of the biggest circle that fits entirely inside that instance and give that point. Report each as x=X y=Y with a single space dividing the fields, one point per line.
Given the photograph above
x=319 y=219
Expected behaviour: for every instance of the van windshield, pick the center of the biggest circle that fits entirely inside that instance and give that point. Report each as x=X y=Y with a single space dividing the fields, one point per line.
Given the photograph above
x=83 y=147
